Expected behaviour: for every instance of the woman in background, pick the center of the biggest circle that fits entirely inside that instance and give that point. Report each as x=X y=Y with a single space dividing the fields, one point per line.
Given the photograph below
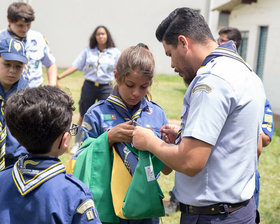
x=98 y=60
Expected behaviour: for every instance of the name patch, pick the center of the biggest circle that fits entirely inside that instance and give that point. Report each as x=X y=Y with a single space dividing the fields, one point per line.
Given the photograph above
x=202 y=87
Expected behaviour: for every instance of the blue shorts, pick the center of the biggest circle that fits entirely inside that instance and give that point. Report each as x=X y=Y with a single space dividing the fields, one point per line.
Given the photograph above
x=244 y=215
x=90 y=93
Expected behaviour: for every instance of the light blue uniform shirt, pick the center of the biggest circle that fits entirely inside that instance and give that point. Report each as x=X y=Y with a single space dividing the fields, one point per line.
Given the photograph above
x=98 y=65
x=38 y=54
x=223 y=106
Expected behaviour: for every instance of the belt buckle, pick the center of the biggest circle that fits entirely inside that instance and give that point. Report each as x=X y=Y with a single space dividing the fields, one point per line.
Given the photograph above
x=222 y=209
x=96 y=84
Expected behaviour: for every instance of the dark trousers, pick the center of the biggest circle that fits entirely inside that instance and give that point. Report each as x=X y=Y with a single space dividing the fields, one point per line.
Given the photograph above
x=244 y=215
x=90 y=93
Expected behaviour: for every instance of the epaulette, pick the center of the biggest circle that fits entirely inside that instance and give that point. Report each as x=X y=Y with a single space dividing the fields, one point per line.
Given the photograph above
x=155 y=104
x=78 y=183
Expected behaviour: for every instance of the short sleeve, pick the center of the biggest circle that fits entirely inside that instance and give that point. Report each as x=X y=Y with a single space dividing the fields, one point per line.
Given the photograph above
x=80 y=61
x=209 y=106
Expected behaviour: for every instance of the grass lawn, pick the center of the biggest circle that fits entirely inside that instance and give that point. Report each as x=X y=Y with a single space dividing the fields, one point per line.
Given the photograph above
x=168 y=92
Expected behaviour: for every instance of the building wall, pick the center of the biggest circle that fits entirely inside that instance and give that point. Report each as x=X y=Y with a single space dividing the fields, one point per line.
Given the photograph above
x=68 y=24
x=250 y=18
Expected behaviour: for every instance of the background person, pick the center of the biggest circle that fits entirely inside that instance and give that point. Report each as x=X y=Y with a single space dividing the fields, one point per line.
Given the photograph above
x=37 y=189
x=223 y=93
x=98 y=60
x=20 y=16
x=231 y=33
x=12 y=63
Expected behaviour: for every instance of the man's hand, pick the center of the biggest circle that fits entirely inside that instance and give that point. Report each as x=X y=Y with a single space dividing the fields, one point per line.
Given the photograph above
x=169 y=133
x=143 y=137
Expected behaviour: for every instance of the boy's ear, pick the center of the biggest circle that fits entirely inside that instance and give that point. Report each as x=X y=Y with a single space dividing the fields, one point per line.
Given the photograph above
x=66 y=140
x=116 y=75
x=9 y=22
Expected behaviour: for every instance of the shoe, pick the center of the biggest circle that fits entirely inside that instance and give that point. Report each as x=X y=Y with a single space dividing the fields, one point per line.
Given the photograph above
x=173 y=205
x=75 y=148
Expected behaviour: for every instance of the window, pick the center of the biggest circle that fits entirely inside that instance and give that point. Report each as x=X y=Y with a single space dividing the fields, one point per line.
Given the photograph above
x=261 y=50
x=244 y=44
x=223 y=18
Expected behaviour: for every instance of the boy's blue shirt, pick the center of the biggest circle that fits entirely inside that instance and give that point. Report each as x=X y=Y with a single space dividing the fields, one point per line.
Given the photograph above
x=38 y=190
x=13 y=148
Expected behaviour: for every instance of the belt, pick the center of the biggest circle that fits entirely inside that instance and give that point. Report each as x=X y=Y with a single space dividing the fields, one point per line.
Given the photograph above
x=99 y=84
x=220 y=208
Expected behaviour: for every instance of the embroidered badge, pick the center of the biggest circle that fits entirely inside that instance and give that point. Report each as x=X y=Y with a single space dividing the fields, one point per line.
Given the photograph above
x=34 y=42
x=202 y=87
x=17 y=46
x=85 y=206
x=267 y=127
x=86 y=125
x=268 y=118
x=37 y=62
x=108 y=117
x=150 y=110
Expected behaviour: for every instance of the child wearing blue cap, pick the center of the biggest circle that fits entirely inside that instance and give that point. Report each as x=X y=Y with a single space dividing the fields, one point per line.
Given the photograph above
x=20 y=16
x=37 y=188
x=12 y=63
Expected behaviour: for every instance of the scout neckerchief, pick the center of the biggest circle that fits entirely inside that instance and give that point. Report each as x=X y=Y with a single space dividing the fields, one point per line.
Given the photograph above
x=29 y=172
x=13 y=35
x=228 y=50
x=129 y=159
x=3 y=135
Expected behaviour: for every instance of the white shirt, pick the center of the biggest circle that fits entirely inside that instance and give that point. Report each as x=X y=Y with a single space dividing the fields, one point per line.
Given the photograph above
x=38 y=54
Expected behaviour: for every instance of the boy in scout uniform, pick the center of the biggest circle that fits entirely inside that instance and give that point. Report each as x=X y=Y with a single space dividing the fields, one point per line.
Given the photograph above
x=20 y=16
x=12 y=62
x=37 y=188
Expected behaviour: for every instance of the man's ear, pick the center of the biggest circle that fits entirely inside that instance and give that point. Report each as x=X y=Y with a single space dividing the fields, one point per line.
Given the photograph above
x=183 y=41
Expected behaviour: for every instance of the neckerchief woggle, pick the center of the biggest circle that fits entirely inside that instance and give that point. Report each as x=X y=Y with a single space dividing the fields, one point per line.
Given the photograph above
x=228 y=50
x=125 y=150
x=29 y=172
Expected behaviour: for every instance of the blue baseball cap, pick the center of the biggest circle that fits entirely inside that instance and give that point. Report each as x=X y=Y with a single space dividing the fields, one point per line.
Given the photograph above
x=13 y=50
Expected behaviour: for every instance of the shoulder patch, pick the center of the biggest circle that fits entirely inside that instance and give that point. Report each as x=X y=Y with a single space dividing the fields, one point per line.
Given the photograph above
x=202 y=87
x=86 y=125
x=268 y=118
x=85 y=206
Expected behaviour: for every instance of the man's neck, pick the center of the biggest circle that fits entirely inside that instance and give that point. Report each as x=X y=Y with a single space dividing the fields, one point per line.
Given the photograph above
x=202 y=51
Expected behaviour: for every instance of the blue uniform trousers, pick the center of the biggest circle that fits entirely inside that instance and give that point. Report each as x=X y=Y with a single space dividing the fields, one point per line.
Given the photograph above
x=244 y=215
x=91 y=92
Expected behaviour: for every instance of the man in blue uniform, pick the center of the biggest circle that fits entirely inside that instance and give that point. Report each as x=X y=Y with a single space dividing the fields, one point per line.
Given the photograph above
x=12 y=62
x=221 y=119
x=37 y=189
x=20 y=16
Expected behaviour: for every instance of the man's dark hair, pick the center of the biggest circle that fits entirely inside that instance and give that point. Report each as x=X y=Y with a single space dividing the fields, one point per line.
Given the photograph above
x=232 y=34
x=20 y=10
x=37 y=116
x=183 y=21
x=93 y=42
